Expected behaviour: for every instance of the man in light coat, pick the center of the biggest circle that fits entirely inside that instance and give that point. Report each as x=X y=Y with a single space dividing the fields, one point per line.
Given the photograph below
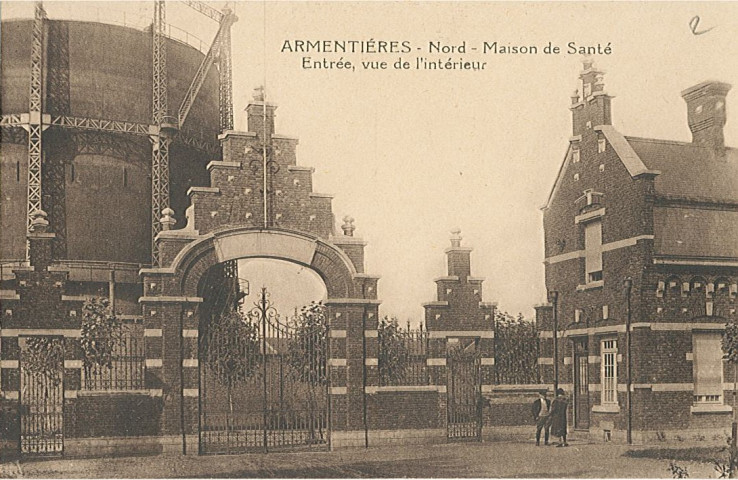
x=541 y=410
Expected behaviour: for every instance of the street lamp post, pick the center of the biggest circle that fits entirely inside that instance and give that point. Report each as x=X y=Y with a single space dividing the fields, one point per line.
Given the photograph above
x=628 y=284
x=554 y=299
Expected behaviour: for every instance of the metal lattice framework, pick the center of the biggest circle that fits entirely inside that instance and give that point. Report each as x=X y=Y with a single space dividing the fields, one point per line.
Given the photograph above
x=226 y=78
x=35 y=109
x=162 y=131
x=159 y=140
x=59 y=141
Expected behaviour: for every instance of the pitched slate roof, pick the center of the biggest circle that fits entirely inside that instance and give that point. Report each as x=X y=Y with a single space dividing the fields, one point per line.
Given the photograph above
x=695 y=232
x=689 y=170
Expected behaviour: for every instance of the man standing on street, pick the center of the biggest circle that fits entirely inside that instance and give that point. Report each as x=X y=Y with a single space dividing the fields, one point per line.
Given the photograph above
x=541 y=409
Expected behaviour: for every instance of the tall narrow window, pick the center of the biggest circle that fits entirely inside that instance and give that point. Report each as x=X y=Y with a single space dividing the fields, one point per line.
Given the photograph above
x=707 y=356
x=593 y=251
x=609 y=361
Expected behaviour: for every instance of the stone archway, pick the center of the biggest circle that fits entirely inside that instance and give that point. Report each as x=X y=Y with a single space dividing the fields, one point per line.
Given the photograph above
x=170 y=306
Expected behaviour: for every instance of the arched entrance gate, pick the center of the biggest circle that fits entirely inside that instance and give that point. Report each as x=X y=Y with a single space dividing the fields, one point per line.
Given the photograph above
x=260 y=205
x=172 y=304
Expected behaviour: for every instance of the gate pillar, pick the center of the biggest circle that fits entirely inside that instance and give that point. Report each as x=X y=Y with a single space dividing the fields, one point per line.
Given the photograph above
x=171 y=331
x=459 y=312
x=352 y=360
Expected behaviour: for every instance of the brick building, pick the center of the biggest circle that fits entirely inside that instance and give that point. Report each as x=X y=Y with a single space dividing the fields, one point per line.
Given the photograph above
x=663 y=214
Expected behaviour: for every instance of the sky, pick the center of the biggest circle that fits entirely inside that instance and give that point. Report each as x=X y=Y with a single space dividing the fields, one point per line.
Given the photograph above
x=412 y=154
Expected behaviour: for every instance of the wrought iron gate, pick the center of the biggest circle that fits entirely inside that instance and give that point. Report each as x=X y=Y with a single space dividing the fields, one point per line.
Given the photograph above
x=264 y=382
x=464 y=390
x=41 y=395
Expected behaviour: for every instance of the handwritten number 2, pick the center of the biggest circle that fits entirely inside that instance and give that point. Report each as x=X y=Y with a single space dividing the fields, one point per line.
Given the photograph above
x=694 y=23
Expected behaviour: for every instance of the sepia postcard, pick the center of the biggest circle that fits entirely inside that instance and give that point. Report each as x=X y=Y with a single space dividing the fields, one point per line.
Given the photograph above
x=368 y=239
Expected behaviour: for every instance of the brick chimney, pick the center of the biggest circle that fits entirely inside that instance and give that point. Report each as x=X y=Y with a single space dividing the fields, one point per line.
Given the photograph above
x=459 y=263
x=260 y=115
x=706 y=113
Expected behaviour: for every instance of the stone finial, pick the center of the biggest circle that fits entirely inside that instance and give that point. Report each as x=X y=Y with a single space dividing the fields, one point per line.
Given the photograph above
x=456 y=237
x=348 y=226
x=259 y=94
x=39 y=222
x=167 y=220
x=575 y=97
x=587 y=62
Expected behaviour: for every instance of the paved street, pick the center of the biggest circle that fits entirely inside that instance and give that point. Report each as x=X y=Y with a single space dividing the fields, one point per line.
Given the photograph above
x=450 y=460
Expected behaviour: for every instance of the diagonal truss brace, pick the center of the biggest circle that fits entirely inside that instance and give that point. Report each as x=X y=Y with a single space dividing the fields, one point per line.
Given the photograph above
x=214 y=51
x=205 y=9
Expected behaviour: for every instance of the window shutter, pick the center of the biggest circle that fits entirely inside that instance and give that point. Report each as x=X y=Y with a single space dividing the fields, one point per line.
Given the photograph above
x=593 y=246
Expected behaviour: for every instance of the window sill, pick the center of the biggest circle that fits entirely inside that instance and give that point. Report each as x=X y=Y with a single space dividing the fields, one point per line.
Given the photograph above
x=710 y=408
x=591 y=285
x=606 y=409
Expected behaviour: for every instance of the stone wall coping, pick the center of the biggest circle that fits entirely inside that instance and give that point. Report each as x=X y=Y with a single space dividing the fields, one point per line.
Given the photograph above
x=165 y=299
x=260 y=103
x=22 y=268
x=542 y=305
x=192 y=190
x=461 y=333
x=181 y=234
x=57 y=269
x=345 y=240
x=282 y=136
x=458 y=249
x=61 y=332
x=368 y=276
x=351 y=301
x=9 y=295
x=218 y=163
x=320 y=195
x=520 y=388
x=447 y=278
x=300 y=168
x=475 y=279
x=488 y=304
x=435 y=303
x=235 y=133
x=157 y=271
x=403 y=388
x=100 y=393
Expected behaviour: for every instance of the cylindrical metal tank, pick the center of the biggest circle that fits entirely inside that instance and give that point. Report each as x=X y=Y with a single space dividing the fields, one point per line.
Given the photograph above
x=97 y=185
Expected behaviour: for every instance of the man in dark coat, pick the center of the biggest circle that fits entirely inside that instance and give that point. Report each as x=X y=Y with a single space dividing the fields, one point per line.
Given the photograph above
x=541 y=409
x=558 y=417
